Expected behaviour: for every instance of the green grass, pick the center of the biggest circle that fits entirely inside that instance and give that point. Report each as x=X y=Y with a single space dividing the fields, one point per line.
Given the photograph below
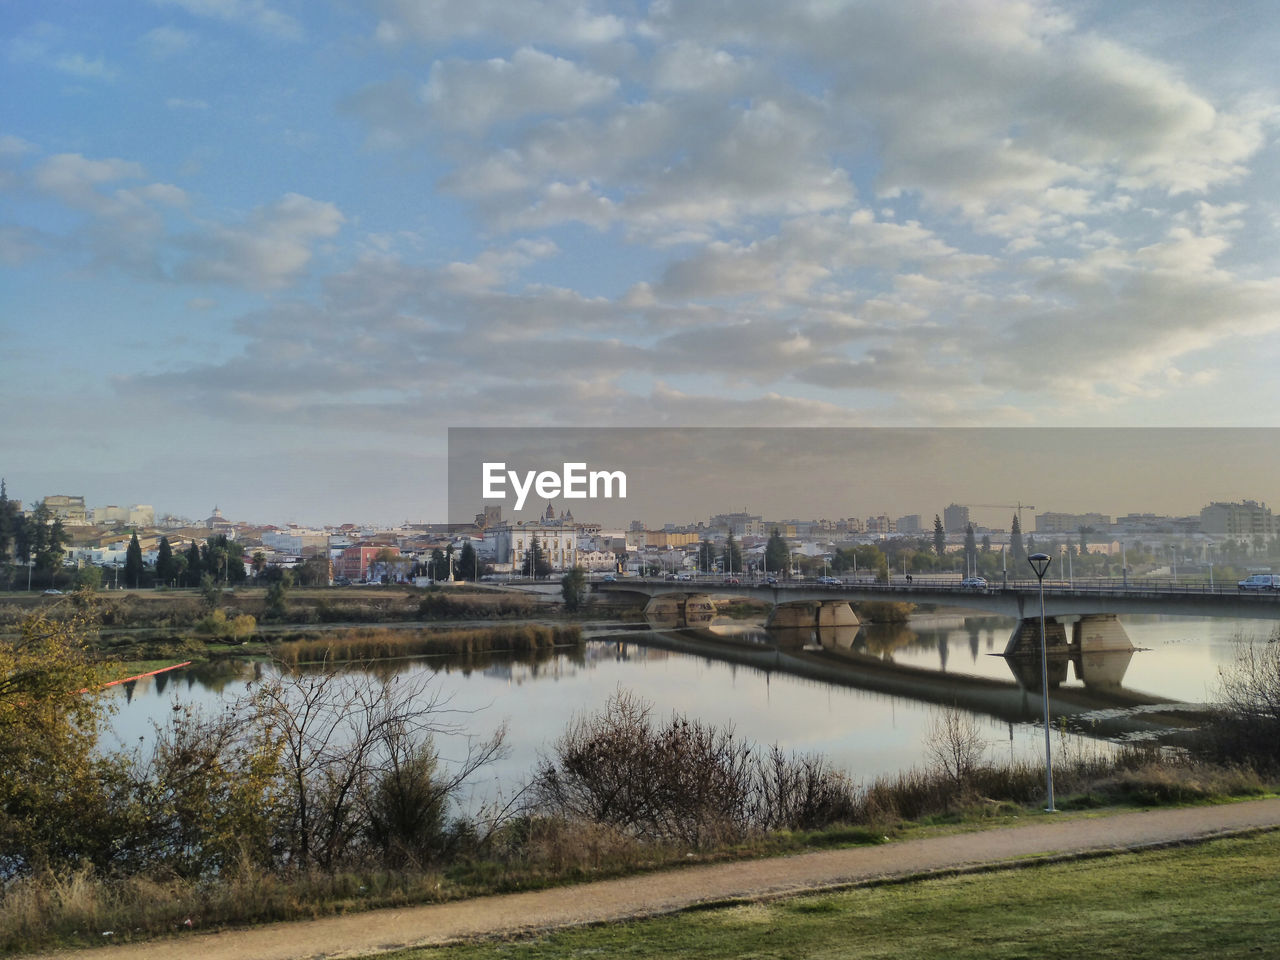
x=1216 y=900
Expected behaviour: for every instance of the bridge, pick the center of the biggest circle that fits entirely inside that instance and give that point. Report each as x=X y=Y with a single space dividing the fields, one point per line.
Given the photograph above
x=1081 y=615
x=1016 y=598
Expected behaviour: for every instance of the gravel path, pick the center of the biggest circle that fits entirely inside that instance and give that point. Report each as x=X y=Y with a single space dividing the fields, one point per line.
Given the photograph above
x=654 y=893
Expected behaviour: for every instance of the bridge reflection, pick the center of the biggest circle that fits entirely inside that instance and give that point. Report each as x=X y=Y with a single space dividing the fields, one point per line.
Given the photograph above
x=862 y=656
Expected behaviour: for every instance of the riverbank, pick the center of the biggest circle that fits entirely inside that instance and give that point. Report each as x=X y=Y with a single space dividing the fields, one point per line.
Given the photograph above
x=1175 y=901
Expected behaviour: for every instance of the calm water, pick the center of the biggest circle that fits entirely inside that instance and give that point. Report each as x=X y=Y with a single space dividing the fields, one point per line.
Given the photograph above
x=867 y=731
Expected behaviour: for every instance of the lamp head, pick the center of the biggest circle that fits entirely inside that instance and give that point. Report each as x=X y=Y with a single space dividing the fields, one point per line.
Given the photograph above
x=1039 y=563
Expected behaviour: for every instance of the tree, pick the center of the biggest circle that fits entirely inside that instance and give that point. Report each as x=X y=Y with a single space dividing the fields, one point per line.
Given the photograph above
x=573 y=588
x=776 y=552
x=438 y=567
x=89 y=578
x=195 y=568
x=1017 y=552
x=732 y=556
x=133 y=563
x=166 y=566
x=277 y=607
x=51 y=790
x=468 y=563
x=312 y=572
x=939 y=536
x=223 y=559
x=538 y=559
x=970 y=550
x=706 y=556
x=259 y=563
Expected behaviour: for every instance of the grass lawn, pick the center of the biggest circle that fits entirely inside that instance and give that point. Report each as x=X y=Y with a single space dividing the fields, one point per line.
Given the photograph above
x=1216 y=900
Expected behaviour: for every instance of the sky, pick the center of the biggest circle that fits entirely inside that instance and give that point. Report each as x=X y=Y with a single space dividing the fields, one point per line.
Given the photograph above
x=264 y=253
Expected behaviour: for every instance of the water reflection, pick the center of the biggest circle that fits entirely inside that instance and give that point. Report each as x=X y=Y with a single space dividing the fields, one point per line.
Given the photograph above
x=863 y=657
x=864 y=696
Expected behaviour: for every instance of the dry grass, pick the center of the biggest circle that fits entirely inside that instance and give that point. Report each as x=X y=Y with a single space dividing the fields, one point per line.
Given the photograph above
x=375 y=644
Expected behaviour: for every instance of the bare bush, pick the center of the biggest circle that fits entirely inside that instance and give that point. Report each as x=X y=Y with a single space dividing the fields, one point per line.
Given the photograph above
x=356 y=757
x=681 y=780
x=1245 y=725
x=956 y=747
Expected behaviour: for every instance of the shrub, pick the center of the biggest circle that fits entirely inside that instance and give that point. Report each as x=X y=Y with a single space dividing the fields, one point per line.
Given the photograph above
x=1245 y=724
x=683 y=780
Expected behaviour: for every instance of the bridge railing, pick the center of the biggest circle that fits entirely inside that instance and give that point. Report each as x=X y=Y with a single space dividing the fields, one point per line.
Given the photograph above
x=898 y=585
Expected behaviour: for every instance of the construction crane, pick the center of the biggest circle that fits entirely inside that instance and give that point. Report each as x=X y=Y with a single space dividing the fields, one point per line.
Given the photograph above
x=1006 y=506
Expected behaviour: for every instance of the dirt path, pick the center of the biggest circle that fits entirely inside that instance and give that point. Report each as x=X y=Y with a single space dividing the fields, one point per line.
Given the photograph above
x=655 y=893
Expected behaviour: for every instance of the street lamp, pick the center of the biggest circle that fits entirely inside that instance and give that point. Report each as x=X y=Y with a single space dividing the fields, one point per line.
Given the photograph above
x=1040 y=563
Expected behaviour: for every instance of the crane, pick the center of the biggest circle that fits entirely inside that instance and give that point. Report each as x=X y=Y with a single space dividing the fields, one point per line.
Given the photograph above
x=1007 y=506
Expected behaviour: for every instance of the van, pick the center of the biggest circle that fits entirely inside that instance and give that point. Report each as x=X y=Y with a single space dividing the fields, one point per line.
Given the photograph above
x=1260 y=581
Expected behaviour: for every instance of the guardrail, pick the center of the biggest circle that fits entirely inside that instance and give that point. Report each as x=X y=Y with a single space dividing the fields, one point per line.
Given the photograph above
x=1147 y=586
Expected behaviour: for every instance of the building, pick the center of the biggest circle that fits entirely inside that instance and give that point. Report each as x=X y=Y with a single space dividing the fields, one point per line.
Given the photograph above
x=355 y=563
x=1050 y=522
x=955 y=519
x=296 y=541
x=878 y=526
x=909 y=524
x=1244 y=520
x=512 y=542
x=70 y=510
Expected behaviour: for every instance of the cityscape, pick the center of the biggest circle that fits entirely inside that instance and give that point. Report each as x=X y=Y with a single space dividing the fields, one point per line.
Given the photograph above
x=494 y=479
x=1240 y=534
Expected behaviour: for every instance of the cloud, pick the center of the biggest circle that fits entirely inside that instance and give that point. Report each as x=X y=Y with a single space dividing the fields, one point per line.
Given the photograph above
x=165 y=42
x=472 y=96
x=257 y=15
x=43 y=42
x=563 y=22
x=270 y=250
x=75 y=179
x=79 y=65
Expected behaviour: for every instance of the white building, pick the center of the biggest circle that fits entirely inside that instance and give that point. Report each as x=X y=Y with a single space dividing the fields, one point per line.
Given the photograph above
x=511 y=543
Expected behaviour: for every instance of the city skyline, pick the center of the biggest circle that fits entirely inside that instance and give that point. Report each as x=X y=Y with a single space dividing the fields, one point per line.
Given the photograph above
x=262 y=254
x=685 y=476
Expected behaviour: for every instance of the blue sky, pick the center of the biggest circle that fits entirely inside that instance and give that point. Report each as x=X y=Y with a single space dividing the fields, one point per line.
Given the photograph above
x=263 y=253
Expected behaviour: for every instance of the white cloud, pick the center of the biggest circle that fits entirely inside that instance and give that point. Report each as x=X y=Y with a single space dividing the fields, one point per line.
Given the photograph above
x=270 y=250
x=79 y=65
x=75 y=179
x=563 y=22
x=256 y=14
x=473 y=95
x=166 y=41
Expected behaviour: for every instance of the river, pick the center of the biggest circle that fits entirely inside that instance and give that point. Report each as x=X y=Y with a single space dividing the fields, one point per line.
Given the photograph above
x=867 y=701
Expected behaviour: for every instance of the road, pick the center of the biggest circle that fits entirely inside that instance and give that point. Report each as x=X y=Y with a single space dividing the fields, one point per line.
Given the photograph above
x=671 y=890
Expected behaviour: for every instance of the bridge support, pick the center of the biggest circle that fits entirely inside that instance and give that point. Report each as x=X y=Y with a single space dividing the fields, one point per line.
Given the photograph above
x=792 y=616
x=1100 y=633
x=823 y=613
x=1102 y=650
x=676 y=610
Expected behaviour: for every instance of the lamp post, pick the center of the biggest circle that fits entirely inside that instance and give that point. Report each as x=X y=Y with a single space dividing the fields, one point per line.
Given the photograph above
x=1040 y=563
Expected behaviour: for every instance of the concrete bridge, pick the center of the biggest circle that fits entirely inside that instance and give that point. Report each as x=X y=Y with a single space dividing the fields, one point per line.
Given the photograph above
x=1017 y=598
x=1081 y=617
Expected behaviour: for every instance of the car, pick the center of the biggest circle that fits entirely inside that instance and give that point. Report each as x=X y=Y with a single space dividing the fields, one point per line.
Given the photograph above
x=53 y=593
x=973 y=583
x=772 y=581
x=609 y=578
x=684 y=576
x=829 y=581
x=1260 y=581
x=731 y=581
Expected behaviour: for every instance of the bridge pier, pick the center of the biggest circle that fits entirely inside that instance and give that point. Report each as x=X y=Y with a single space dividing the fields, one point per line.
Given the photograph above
x=821 y=613
x=677 y=610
